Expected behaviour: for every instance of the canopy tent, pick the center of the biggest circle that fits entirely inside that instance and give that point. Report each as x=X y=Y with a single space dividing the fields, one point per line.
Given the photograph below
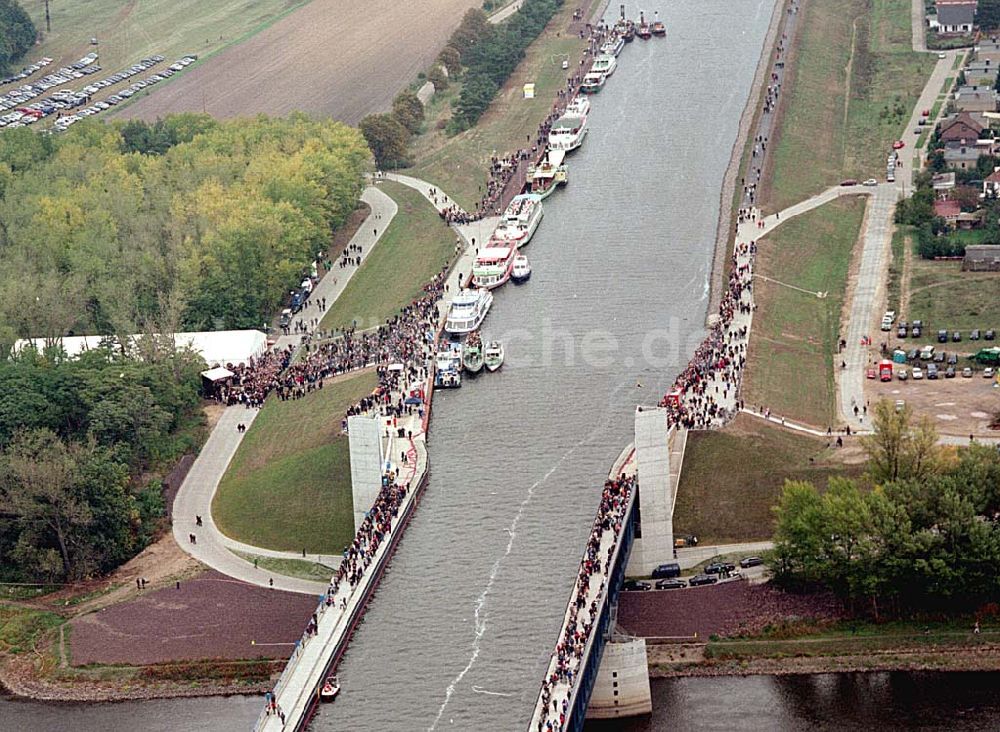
x=216 y=347
x=216 y=374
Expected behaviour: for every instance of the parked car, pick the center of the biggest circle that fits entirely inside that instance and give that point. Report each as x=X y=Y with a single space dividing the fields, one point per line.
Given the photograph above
x=870 y=374
x=932 y=371
x=720 y=568
x=956 y=337
x=636 y=586
x=939 y=357
x=942 y=54
x=298 y=300
x=927 y=353
x=902 y=375
x=898 y=145
x=915 y=331
x=671 y=584
x=918 y=373
x=286 y=318
x=949 y=373
x=672 y=569
x=849 y=182
x=702 y=579
x=942 y=336
x=966 y=373
x=685 y=541
x=870 y=182
x=974 y=334
x=953 y=359
x=989 y=335
x=913 y=354
x=988 y=372
x=902 y=331
x=748 y=562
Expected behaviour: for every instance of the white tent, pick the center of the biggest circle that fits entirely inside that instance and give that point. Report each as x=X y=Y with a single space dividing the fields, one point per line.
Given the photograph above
x=216 y=347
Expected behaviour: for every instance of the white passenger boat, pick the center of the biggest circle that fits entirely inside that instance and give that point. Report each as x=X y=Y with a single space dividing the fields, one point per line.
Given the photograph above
x=614 y=45
x=604 y=64
x=549 y=173
x=520 y=220
x=448 y=367
x=579 y=107
x=493 y=355
x=472 y=354
x=567 y=132
x=468 y=310
x=522 y=270
x=593 y=82
x=493 y=264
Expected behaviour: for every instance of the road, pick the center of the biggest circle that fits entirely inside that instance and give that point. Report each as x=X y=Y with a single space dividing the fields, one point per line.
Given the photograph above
x=194 y=498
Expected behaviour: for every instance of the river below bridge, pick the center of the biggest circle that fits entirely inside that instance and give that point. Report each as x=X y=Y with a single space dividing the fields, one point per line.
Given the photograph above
x=462 y=625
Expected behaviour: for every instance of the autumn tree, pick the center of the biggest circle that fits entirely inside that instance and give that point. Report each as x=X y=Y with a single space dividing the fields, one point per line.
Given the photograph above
x=900 y=449
x=387 y=139
x=408 y=110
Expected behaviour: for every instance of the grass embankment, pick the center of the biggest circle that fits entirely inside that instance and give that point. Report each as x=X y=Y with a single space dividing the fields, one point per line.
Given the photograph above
x=460 y=164
x=791 y=359
x=291 y=567
x=944 y=296
x=289 y=484
x=732 y=478
x=838 y=124
x=21 y=628
x=413 y=249
x=127 y=32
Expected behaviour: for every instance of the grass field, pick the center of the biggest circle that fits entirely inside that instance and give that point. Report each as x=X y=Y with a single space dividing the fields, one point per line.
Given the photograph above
x=459 y=164
x=291 y=567
x=900 y=239
x=944 y=296
x=839 y=125
x=791 y=359
x=733 y=477
x=127 y=30
x=413 y=249
x=289 y=484
x=20 y=628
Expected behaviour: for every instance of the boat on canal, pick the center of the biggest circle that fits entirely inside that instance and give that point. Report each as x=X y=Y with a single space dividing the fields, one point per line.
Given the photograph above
x=472 y=354
x=548 y=174
x=593 y=82
x=614 y=45
x=494 y=263
x=522 y=270
x=567 y=132
x=493 y=355
x=604 y=64
x=468 y=310
x=658 y=28
x=579 y=107
x=520 y=220
x=644 y=31
x=328 y=692
x=448 y=366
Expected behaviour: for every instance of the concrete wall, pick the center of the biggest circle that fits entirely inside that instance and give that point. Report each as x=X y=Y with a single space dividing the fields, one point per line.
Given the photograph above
x=364 y=435
x=657 y=486
x=622 y=686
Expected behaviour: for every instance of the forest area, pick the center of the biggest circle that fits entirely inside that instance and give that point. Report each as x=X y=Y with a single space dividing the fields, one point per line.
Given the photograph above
x=17 y=34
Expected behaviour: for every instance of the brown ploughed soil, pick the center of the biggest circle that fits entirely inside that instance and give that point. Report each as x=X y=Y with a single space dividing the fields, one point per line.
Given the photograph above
x=338 y=58
x=210 y=616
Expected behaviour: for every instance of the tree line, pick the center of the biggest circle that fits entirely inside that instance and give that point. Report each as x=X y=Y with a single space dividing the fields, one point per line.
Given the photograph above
x=185 y=224
x=17 y=34
x=920 y=533
x=83 y=444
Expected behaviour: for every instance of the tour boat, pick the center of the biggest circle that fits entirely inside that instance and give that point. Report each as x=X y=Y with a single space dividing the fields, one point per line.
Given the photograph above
x=448 y=367
x=522 y=270
x=593 y=82
x=658 y=29
x=468 y=310
x=579 y=107
x=604 y=64
x=614 y=45
x=520 y=220
x=567 y=132
x=629 y=34
x=472 y=354
x=493 y=355
x=494 y=263
x=644 y=31
x=328 y=692
x=549 y=173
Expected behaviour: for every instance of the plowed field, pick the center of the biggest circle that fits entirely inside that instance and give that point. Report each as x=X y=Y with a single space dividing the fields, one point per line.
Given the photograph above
x=339 y=58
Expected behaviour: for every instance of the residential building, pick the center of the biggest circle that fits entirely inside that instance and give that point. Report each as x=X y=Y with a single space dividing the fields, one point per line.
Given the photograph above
x=976 y=99
x=954 y=16
x=988 y=50
x=991 y=185
x=963 y=157
x=981 y=258
x=942 y=183
x=963 y=127
x=981 y=73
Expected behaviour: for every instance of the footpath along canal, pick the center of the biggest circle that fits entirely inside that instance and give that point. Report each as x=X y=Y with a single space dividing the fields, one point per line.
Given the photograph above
x=461 y=627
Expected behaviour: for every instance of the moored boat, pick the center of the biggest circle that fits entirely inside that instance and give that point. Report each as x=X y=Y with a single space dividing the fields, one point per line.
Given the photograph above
x=614 y=45
x=468 y=310
x=579 y=107
x=593 y=82
x=520 y=220
x=448 y=367
x=658 y=28
x=604 y=64
x=493 y=264
x=493 y=355
x=629 y=35
x=548 y=174
x=644 y=32
x=567 y=132
x=472 y=354
x=522 y=270
x=328 y=692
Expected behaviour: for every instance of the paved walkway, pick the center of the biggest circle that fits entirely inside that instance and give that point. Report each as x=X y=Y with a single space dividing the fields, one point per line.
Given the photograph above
x=918 y=25
x=194 y=498
x=932 y=90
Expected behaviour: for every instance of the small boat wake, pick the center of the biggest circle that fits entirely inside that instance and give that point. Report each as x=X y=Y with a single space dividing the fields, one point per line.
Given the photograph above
x=479 y=690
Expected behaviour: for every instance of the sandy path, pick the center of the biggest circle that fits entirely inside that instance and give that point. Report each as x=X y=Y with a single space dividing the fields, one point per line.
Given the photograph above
x=332 y=57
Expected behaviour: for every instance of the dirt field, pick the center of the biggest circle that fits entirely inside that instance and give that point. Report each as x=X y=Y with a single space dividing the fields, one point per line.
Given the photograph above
x=957 y=406
x=210 y=616
x=332 y=57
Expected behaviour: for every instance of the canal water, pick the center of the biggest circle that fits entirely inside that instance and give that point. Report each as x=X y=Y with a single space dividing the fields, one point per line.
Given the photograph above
x=462 y=625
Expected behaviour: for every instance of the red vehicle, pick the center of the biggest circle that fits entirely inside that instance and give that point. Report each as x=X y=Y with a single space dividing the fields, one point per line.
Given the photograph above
x=870 y=374
x=926 y=113
x=898 y=144
x=885 y=370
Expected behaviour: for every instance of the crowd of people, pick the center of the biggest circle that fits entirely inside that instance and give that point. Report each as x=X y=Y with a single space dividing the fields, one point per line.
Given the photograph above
x=583 y=610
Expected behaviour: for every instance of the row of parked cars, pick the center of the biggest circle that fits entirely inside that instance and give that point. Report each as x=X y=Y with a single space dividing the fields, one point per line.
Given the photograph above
x=916 y=328
x=24 y=94
x=667 y=576
x=26 y=71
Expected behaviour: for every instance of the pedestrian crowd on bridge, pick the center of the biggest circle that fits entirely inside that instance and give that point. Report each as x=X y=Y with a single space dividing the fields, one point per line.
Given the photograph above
x=583 y=610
